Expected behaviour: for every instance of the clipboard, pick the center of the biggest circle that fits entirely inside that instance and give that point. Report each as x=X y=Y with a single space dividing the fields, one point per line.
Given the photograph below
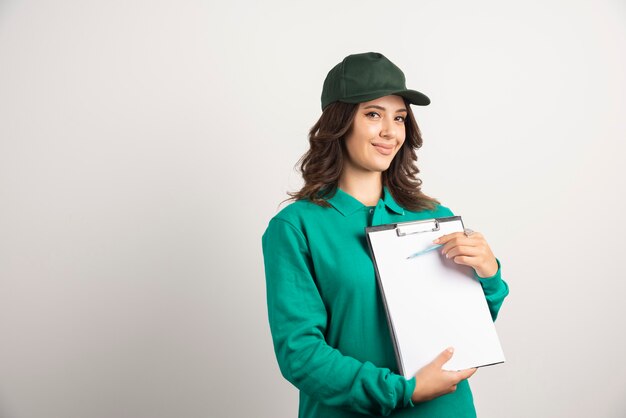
x=431 y=302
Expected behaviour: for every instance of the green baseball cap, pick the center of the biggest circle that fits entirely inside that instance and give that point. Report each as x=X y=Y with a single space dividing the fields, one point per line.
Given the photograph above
x=368 y=76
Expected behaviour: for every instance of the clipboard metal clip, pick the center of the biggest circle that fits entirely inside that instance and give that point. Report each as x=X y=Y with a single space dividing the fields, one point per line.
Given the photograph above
x=417 y=227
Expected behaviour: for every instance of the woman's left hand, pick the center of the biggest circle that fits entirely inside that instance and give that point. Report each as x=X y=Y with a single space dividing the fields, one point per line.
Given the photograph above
x=471 y=251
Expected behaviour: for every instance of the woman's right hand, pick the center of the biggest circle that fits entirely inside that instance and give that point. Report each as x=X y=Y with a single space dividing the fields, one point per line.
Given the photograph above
x=431 y=381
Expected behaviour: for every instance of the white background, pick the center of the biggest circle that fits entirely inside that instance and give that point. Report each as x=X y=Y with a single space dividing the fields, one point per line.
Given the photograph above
x=144 y=145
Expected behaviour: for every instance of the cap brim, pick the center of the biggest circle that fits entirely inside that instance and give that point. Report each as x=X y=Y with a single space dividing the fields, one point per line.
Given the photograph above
x=413 y=96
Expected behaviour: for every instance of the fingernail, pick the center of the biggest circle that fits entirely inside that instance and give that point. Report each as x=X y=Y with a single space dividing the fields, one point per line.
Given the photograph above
x=436 y=241
x=451 y=349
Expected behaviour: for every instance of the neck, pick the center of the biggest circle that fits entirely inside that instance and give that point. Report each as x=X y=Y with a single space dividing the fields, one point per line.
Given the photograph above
x=366 y=187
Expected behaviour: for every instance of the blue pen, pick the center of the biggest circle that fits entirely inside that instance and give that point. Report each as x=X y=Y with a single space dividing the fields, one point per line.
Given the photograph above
x=434 y=247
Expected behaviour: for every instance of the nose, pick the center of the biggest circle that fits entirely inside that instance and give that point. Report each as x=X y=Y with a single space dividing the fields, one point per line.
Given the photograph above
x=388 y=129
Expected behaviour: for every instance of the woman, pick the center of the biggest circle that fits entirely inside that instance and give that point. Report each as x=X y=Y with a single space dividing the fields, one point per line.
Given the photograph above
x=327 y=320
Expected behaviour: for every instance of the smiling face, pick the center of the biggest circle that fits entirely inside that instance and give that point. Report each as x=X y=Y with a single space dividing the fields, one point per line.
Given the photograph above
x=376 y=135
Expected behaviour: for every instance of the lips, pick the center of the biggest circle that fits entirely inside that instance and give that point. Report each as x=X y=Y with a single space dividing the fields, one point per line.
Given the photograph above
x=383 y=148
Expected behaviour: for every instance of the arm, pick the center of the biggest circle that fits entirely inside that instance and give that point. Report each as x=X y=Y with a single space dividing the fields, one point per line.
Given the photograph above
x=298 y=318
x=494 y=288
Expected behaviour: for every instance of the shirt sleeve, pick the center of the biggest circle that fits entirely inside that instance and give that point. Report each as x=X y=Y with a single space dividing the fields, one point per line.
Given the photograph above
x=298 y=320
x=494 y=288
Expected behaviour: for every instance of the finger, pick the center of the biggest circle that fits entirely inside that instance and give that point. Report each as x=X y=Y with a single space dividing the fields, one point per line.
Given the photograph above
x=465 y=260
x=443 y=357
x=461 y=250
x=459 y=241
x=445 y=238
x=465 y=374
x=475 y=235
x=473 y=262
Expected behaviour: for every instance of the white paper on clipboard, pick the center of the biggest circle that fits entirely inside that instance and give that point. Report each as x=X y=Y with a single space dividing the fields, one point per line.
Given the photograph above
x=431 y=301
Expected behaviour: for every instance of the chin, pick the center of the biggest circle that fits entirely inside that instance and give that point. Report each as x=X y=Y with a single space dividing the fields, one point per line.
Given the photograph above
x=380 y=167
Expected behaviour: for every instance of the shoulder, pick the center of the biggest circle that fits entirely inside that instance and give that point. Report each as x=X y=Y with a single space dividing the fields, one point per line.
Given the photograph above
x=290 y=227
x=439 y=211
x=299 y=213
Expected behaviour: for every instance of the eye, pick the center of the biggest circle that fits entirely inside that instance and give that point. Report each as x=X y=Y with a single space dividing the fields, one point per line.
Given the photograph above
x=402 y=118
x=372 y=113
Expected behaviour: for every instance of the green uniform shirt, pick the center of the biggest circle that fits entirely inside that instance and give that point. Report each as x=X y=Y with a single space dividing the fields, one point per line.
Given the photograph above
x=327 y=320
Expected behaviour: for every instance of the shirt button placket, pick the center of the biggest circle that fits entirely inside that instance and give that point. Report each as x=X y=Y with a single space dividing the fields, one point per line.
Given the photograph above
x=378 y=214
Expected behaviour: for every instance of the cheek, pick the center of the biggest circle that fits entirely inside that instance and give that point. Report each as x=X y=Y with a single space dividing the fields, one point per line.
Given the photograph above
x=359 y=142
x=354 y=148
x=403 y=135
x=403 y=132
x=401 y=143
x=398 y=149
x=350 y=144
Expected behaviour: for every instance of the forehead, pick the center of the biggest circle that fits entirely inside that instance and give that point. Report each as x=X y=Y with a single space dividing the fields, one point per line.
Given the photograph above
x=391 y=102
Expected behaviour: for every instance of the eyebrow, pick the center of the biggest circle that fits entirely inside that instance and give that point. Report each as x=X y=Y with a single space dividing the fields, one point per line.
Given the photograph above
x=382 y=108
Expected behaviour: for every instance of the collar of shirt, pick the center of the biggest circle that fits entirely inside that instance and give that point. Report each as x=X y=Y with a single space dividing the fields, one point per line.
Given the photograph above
x=346 y=204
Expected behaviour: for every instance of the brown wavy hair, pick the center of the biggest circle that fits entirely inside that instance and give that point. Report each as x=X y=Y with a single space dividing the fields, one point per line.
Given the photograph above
x=321 y=165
